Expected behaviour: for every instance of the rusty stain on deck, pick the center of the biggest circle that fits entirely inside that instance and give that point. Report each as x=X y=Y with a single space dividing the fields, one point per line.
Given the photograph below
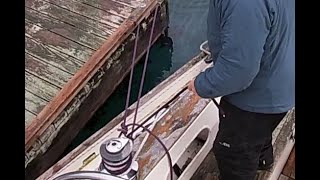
x=169 y=129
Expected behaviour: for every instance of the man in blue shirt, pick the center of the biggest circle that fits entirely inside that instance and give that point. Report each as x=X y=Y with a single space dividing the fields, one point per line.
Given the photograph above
x=252 y=43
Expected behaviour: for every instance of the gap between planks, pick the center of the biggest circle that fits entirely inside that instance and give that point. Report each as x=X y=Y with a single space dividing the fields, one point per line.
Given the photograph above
x=68 y=17
x=89 y=12
x=112 y=7
x=55 y=58
x=63 y=29
x=58 y=42
x=38 y=86
x=34 y=103
x=34 y=28
x=46 y=71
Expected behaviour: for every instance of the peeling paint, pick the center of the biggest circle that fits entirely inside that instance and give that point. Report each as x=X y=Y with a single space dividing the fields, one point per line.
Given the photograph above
x=76 y=53
x=144 y=26
x=115 y=56
x=181 y=114
x=35 y=28
x=116 y=19
x=41 y=7
x=133 y=36
x=199 y=106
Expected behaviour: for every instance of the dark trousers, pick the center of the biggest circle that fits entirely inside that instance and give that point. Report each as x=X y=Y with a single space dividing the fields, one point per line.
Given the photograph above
x=244 y=139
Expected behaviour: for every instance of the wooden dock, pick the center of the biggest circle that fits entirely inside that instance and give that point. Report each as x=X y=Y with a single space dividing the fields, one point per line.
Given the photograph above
x=76 y=53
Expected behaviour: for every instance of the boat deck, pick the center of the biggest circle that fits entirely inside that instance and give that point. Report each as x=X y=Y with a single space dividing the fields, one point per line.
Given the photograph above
x=186 y=130
x=72 y=47
x=183 y=108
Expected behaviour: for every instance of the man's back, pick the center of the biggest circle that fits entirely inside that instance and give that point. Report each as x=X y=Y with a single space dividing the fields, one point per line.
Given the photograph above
x=252 y=43
x=252 y=39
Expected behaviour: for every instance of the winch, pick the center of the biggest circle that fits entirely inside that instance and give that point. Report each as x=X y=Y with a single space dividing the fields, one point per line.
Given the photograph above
x=117 y=158
x=117 y=163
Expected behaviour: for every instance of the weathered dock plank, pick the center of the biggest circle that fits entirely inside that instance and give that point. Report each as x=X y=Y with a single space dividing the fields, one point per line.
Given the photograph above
x=63 y=29
x=90 y=12
x=132 y=4
x=81 y=22
x=112 y=7
x=38 y=86
x=57 y=42
x=52 y=56
x=46 y=71
x=34 y=103
x=28 y=117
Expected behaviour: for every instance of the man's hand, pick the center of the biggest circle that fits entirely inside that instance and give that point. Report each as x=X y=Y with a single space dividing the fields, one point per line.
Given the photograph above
x=192 y=88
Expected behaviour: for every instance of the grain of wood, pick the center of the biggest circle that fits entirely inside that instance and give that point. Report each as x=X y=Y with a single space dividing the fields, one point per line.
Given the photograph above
x=132 y=4
x=57 y=42
x=52 y=56
x=112 y=7
x=61 y=14
x=46 y=71
x=90 y=12
x=63 y=29
x=28 y=116
x=283 y=177
x=33 y=103
x=40 y=87
x=289 y=169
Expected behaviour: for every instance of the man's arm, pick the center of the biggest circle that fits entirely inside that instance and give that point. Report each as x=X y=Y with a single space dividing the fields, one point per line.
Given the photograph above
x=244 y=29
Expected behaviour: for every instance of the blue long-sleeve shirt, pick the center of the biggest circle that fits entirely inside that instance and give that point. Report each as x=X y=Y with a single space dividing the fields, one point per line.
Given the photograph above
x=252 y=43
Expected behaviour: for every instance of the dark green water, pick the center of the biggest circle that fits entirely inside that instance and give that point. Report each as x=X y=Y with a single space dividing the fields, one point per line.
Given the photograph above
x=187 y=29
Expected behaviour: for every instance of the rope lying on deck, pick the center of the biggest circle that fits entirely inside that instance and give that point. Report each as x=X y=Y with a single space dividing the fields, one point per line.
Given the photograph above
x=124 y=126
